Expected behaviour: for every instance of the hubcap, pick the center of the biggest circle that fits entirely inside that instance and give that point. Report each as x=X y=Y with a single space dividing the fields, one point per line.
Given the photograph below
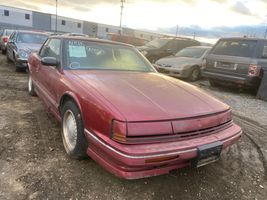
x=195 y=74
x=30 y=84
x=70 y=130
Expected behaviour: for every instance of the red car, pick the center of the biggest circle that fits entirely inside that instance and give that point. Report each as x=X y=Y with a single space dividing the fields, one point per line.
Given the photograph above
x=115 y=107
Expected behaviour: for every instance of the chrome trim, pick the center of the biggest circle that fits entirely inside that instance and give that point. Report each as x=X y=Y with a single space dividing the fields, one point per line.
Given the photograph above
x=233 y=137
x=136 y=157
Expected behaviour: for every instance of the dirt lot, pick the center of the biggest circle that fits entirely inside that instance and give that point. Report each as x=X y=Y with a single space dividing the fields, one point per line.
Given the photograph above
x=33 y=164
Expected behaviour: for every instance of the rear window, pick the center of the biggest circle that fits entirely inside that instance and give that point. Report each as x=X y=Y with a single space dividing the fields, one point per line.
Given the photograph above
x=241 y=48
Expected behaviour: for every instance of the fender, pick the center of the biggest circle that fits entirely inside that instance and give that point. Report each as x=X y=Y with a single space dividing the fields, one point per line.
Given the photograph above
x=72 y=96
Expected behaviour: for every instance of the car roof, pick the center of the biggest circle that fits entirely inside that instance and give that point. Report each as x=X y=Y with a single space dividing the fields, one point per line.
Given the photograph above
x=199 y=47
x=27 y=31
x=67 y=37
x=243 y=38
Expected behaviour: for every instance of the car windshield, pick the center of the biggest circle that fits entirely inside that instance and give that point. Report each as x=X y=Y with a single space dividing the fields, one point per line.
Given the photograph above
x=242 y=48
x=102 y=56
x=9 y=32
x=191 y=52
x=157 y=43
x=33 y=38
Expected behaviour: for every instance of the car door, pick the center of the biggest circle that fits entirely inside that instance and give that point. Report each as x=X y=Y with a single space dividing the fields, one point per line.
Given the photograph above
x=48 y=76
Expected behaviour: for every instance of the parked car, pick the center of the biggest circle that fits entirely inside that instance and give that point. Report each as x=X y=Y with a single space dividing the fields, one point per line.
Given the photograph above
x=162 y=47
x=115 y=107
x=4 y=35
x=236 y=61
x=185 y=64
x=126 y=39
x=21 y=44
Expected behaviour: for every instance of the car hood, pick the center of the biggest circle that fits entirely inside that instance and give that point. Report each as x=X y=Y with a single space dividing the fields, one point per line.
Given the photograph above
x=178 y=61
x=32 y=47
x=149 y=96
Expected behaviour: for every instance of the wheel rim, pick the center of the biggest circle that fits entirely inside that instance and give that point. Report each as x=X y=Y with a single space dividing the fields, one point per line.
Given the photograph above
x=195 y=74
x=30 y=84
x=70 y=130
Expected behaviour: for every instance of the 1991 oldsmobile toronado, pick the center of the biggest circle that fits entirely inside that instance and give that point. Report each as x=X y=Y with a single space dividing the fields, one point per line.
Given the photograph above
x=115 y=107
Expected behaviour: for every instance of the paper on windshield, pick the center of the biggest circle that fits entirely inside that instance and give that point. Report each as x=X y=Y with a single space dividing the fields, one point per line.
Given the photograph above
x=77 y=51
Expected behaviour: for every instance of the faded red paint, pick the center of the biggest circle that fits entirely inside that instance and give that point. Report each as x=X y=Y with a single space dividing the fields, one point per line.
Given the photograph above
x=154 y=111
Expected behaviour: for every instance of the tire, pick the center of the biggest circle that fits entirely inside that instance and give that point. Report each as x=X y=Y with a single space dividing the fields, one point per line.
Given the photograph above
x=31 y=89
x=3 y=51
x=74 y=140
x=195 y=74
x=213 y=83
x=8 y=59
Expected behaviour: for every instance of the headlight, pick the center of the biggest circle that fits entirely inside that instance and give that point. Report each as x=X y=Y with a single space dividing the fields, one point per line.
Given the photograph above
x=144 y=52
x=24 y=53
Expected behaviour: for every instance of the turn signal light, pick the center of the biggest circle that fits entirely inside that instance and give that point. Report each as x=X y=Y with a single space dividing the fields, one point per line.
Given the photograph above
x=161 y=159
x=254 y=70
x=119 y=130
x=204 y=64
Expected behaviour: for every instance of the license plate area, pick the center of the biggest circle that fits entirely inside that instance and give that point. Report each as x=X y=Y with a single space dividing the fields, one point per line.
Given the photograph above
x=207 y=154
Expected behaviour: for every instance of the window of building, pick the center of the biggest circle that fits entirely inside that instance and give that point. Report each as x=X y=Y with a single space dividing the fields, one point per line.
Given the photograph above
x=63 y=22
x=27 y=16
x=106 y=30
x=79 y=25
x=6 y=12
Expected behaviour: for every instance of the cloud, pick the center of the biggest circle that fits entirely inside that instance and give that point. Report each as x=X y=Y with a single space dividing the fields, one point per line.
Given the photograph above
x=240 y=8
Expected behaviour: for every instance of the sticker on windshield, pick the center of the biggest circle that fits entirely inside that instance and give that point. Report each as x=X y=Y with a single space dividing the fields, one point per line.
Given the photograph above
x=77 y=51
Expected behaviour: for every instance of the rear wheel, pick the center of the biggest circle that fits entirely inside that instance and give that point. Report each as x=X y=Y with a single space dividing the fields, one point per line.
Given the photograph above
x=74 y=140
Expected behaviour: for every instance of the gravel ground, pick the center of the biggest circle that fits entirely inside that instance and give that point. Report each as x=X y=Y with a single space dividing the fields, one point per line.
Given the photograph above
x=243 y=103
x=33 y=164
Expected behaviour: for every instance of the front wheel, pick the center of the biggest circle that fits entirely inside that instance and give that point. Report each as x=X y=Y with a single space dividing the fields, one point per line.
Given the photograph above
x=74 y=140
x=195 y=74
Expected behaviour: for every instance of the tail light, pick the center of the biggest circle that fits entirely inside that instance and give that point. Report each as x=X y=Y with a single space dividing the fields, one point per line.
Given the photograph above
x=119 y=130
x=254 y=70
x=5 y=39
x=204 y=64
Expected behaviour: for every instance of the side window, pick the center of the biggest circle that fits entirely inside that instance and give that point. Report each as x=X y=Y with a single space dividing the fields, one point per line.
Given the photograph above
x=264 y=51
x=51 y=49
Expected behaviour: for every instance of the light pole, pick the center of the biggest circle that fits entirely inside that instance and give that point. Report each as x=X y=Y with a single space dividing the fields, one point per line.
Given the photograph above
x=177 y=30
x=56 y=18
x=122 y=6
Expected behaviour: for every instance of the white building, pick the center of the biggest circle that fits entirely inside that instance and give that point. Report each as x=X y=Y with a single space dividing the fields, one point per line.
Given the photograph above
x=14 y=16
x=65 y=24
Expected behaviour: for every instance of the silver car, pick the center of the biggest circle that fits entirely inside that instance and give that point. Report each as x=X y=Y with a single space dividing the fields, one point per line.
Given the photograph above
x=21 y=44
x=4 y=35
x=184 y=64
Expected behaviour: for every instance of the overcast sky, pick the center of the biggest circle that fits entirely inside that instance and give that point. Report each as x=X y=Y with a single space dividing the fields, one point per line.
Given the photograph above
x=153 y=14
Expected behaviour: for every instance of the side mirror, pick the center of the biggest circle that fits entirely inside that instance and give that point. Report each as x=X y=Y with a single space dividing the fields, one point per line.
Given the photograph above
x=49 y=61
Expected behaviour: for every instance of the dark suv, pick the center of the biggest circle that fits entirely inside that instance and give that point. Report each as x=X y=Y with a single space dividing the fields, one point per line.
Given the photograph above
x=162 y=47
x=237 y=61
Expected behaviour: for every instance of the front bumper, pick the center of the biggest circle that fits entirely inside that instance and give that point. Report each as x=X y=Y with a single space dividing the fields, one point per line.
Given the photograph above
x=174 y=72
x=131 y=161
x=22 y=63
x=246 y=81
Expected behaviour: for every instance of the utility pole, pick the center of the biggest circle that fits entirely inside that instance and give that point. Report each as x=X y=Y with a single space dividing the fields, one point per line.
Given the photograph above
x=122 y=6
x=56 y=18
x=177 y=30
x=265 y=35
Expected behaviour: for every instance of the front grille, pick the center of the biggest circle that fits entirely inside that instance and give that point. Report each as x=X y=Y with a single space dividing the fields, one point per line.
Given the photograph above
x=180 y=135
